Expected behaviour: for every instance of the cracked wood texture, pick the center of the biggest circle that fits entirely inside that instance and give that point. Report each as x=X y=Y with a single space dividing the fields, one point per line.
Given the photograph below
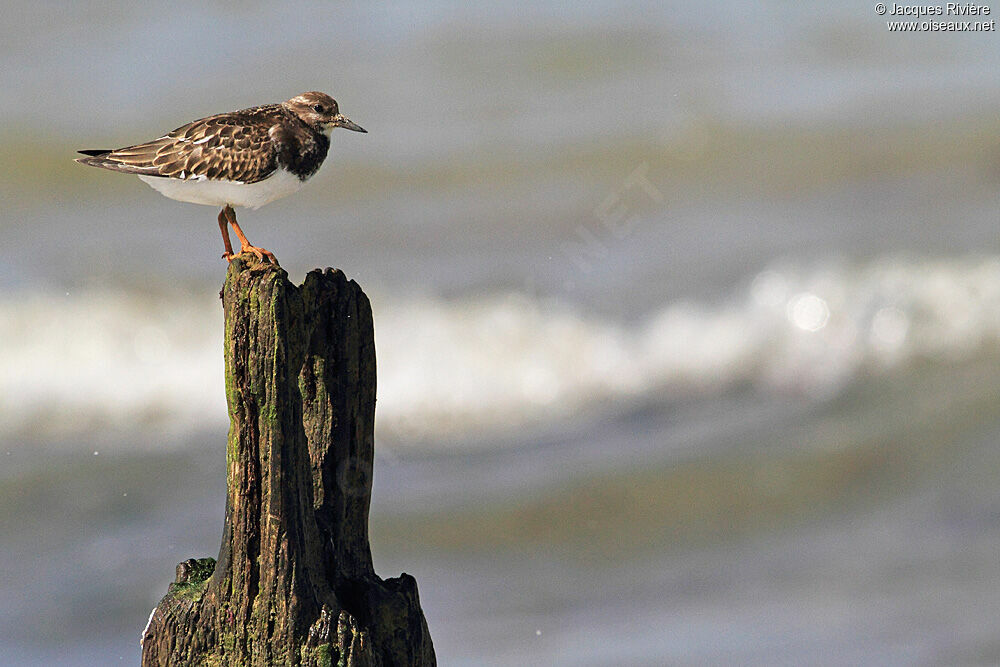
x=294 y=582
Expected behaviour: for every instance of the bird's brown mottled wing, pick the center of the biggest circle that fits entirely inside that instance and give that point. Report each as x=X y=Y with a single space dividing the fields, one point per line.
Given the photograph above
x=232 y=147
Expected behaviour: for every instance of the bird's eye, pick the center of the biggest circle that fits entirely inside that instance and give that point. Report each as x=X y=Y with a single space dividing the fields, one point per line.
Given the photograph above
x=318 y=108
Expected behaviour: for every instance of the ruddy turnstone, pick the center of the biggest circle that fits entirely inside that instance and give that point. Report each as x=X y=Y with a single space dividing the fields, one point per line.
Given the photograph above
x=242 y=158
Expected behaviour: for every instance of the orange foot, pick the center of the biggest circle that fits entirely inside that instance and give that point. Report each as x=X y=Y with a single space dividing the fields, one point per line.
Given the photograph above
x=261 y=253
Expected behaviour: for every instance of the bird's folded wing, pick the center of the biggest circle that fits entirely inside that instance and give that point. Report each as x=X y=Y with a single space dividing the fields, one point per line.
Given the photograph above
x=215 y=148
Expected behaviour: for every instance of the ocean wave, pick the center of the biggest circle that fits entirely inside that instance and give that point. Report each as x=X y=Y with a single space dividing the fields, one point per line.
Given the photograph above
x=116 y=360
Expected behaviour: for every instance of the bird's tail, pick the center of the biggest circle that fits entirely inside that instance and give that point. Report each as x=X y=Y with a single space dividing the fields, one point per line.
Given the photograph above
x=105 y=160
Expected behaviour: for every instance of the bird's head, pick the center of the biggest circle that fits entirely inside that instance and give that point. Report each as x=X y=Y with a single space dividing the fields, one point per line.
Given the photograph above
x=320 y=111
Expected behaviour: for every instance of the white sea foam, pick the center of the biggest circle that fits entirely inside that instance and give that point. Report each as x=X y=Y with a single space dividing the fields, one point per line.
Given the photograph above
x=90 y=360
x=115 y=360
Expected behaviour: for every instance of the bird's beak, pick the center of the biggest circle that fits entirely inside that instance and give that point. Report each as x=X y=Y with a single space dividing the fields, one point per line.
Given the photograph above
x=343 y=121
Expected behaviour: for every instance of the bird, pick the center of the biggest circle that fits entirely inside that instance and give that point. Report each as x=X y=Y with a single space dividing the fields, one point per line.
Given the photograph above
x=242 y=158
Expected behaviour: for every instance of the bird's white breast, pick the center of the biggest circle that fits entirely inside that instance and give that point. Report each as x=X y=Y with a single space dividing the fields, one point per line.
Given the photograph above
x=222 y=193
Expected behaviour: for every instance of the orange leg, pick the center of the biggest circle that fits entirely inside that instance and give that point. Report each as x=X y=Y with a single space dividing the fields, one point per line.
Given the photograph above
x=246 y=247
x=223 y=222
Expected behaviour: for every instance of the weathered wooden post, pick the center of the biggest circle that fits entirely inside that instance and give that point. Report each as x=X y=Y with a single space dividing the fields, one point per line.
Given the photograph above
x=294 y=582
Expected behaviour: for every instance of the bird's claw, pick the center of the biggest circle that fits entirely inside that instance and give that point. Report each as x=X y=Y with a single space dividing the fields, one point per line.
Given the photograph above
x=260 y=253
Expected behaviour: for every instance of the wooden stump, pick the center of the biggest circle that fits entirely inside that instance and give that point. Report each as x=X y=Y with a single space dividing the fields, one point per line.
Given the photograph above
x=294 y=582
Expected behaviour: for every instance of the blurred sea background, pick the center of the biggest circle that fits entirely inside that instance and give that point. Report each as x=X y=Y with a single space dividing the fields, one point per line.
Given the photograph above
x=687 y=320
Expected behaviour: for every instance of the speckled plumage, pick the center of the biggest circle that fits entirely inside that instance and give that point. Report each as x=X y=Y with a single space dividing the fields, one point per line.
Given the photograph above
x=241 y=158
x=242 y=146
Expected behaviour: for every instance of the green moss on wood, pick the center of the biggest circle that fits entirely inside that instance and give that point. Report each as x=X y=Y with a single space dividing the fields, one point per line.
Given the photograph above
x=319 y=656
x=191 y=592
x=294 y=572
